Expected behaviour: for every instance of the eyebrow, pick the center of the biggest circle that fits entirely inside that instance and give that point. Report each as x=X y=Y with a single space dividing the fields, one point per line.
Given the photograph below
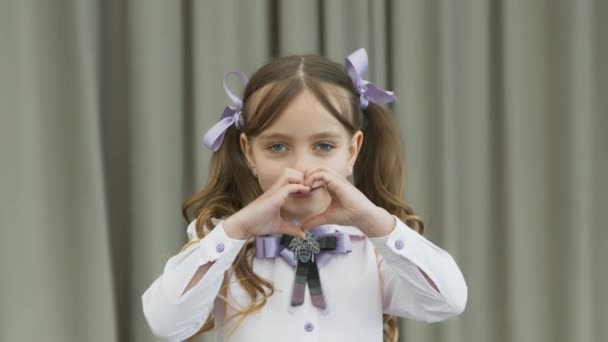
x=283 y=136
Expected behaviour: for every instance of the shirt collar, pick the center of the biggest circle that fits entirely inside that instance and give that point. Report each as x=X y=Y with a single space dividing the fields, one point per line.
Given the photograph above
x=350 y=230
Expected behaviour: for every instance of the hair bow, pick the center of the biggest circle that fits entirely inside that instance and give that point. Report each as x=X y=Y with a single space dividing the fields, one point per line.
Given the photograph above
x=232 y=115
x=356 y=66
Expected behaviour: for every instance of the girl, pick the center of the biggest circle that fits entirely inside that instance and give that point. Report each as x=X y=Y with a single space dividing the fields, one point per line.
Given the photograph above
x=283 y=246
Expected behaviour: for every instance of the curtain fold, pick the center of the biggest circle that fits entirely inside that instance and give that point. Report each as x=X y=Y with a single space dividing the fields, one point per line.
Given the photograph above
x=57 y=270
x=502 y=110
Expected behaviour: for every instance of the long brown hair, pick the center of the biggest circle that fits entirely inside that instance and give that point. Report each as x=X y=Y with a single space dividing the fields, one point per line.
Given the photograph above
x=378 y=171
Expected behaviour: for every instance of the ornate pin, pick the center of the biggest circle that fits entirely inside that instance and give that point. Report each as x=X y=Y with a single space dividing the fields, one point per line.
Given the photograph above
x=305 y=248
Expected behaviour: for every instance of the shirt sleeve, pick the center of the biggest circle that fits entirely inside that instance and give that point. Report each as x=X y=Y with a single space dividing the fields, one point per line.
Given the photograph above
x=403 y=254
x=175 y=317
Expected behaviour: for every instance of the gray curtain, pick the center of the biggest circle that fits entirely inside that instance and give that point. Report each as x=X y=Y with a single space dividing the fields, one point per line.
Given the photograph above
x=502 y=106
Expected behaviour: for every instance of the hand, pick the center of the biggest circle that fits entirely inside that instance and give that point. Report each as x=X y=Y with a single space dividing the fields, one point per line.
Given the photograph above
x=263 y=216
x=349 y=206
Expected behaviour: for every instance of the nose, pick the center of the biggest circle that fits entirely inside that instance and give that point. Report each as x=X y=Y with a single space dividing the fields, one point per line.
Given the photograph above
x=303 y=161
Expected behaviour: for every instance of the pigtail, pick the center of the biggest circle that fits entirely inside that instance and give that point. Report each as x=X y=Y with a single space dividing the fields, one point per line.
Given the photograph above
x=379 y=174
x=379 y=169
x=230 y=186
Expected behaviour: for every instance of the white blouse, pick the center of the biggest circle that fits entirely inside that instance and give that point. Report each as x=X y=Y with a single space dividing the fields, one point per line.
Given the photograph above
x=351 y=285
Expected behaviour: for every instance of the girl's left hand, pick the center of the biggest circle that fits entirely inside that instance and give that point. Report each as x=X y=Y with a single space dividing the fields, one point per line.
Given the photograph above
x=348 y=207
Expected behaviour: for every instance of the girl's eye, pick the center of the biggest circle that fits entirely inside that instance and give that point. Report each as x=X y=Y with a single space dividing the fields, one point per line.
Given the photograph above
x=325 y=147
x=277 y=147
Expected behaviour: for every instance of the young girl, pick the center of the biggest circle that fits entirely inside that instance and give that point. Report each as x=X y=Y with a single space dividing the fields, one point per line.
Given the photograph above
x=302 y=232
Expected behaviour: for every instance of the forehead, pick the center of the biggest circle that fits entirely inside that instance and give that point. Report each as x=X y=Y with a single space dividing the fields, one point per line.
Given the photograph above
x=306 y=117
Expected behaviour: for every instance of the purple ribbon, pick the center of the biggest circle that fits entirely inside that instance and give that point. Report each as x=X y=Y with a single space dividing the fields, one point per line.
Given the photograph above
x=267 y=247
x=356 y=66
x=232 y=115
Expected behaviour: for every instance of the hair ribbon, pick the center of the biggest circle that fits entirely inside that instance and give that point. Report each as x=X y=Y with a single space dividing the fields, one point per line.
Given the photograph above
x=356 y=66
x=232 y=115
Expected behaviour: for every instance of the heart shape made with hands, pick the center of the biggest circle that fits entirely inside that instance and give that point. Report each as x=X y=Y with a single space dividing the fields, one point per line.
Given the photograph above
x=347 y=204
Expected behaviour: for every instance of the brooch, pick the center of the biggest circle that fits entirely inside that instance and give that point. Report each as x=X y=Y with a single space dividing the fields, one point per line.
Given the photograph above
x=305 y=248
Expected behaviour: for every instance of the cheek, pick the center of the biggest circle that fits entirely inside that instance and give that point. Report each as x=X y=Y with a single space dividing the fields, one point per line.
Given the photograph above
x=268 y=176
x=338 y=163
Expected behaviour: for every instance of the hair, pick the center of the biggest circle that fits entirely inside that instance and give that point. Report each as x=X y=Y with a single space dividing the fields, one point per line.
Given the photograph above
x=378 y=171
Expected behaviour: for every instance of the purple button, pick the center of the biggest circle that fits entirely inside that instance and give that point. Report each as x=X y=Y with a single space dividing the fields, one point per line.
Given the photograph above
x=309 y=327
x=399 y=244
x=219 y=247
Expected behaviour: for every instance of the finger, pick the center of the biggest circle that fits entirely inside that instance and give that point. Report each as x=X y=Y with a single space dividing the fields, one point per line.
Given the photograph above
x=286 y=181
x=292 y=229
x=293 y=188
x=288 y=176
x=331 y=181
x=330 y=171
x=293 y=174
x=280 y=195
x=294 y=180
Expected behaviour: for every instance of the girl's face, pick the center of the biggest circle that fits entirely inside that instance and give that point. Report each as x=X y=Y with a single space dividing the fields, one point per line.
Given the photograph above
x=305 y=136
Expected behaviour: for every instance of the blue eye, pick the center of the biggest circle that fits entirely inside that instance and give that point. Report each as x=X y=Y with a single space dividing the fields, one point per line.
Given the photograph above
x=325 y=147
x=277 y=147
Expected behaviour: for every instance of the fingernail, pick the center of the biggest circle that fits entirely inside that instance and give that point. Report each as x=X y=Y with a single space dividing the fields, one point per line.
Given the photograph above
x=296 y=223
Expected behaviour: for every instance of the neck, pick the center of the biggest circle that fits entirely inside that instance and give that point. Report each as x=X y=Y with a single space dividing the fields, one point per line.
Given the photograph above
x=296 y=217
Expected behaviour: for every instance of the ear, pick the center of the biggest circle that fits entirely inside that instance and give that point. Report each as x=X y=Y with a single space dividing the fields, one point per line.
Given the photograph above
x=247 y=151
x=353 y=150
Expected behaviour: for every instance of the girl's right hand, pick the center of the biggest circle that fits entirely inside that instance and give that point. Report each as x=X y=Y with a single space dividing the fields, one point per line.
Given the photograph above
x=263 y=216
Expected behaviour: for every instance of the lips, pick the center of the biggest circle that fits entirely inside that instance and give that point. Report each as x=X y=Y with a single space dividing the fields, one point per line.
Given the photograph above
x=305 y=194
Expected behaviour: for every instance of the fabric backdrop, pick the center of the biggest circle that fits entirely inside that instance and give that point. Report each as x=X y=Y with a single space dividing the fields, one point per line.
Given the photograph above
x=502 y=106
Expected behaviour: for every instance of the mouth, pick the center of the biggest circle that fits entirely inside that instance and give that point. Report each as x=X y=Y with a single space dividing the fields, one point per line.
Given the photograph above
x=300 y=194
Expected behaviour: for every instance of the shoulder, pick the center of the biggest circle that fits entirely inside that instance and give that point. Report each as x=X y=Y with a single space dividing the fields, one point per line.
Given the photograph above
x=191 y=229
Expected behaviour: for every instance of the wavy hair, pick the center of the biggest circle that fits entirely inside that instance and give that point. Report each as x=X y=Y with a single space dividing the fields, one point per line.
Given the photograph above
x=378 y=172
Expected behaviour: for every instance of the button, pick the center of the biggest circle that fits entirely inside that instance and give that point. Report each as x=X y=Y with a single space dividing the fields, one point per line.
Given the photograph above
x=399 y=244
x=219 y=247
x=309 y=327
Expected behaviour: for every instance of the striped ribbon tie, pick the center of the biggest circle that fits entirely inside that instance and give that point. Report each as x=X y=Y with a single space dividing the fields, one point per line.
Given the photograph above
x=307 y=255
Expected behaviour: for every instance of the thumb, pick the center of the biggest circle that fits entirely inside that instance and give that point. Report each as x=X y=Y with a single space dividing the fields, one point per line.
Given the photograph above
x=292 y=228
x=315 y=221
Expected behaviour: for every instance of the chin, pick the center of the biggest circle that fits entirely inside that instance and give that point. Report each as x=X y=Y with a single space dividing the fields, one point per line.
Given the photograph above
x=300 y=210
x=304 y=208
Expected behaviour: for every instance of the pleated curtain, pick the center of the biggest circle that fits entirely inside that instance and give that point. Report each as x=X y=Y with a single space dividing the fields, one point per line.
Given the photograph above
x=502 y=109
